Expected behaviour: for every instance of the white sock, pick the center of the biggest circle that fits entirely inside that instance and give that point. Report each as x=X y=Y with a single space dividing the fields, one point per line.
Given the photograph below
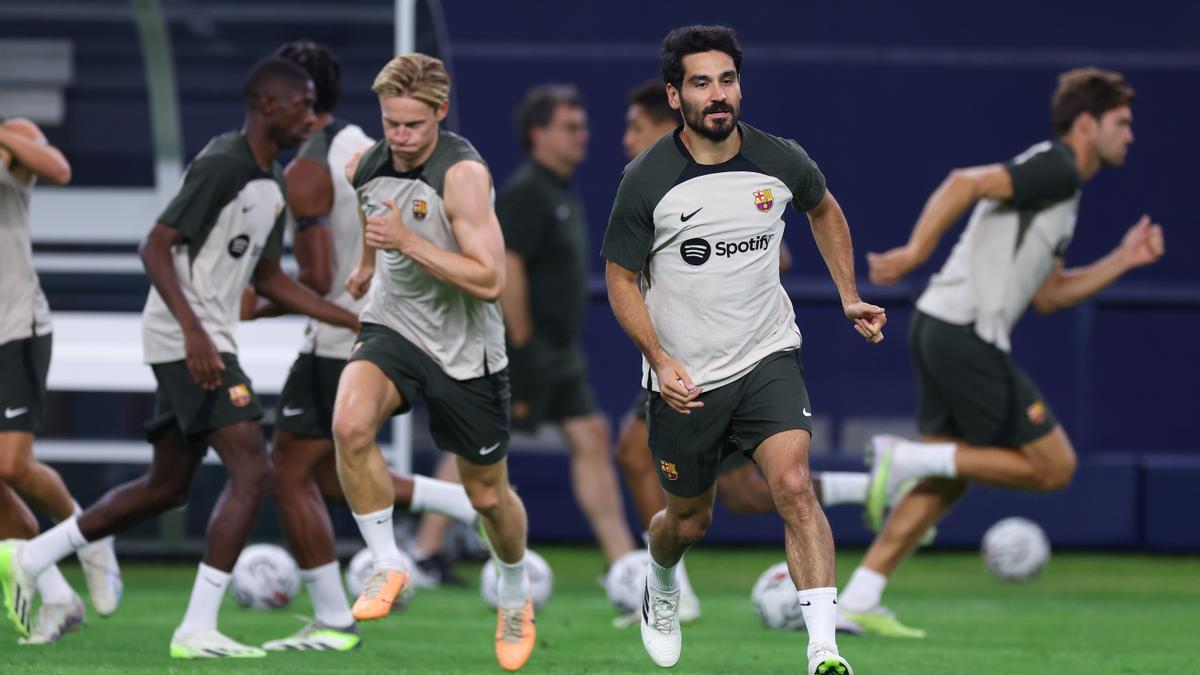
x=207 y=593
x=377 y=531
x=512 y=587
x=681 y=577
x=864 y=590
x=51 y=546
x=324 y=586
x=662 y=578
x=53 y=587
x=917 y=460
x=444 y=497
x=819 y=606
x=843 y=487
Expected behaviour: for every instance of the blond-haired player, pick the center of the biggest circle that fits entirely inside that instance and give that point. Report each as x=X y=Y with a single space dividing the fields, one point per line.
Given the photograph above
x=431 y=326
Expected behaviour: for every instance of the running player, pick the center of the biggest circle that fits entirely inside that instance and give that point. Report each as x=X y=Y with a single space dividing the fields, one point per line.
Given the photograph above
x=224 y=227
x=697 y=215
x=981 y=418
x=25 y=343
x=545 y=299
x=432 y=327
x=328 y=245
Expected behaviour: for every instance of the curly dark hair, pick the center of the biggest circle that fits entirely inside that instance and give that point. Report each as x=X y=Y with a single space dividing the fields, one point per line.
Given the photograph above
x=693 y=40
x=322 y=67
x=1087 y=90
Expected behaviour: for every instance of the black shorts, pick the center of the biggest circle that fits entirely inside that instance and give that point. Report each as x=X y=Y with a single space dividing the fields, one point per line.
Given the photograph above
x=23 y=368
x=689 y=450
x=466 y=417
x=188 y=411
x=640 y=404
x=972 y=390
x=306 y=404
x=551 y=385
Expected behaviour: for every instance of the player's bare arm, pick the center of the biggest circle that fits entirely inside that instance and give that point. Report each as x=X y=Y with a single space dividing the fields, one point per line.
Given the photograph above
x=514 y=300
x=832 y=234
x=479 y=268
x=629 y=307
x=1143 y=244
x=957 y=193
x=360 y=278
x=204 y=362
x=271 y=281
x=23 y=148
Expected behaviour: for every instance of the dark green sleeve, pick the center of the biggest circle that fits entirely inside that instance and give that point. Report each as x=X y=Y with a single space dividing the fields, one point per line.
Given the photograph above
x=1047 y=177
x=630 y=232
x=210 y=183
x=525 y=217
x=316 y=148
x=805 y=180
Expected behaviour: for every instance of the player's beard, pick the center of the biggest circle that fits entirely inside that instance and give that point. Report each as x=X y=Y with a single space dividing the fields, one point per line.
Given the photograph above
x=719 y=131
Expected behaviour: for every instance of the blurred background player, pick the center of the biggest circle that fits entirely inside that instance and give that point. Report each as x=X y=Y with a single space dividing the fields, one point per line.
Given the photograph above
x=545 y=299
x=328 y=245
x=224 y=227
x=981 y=417
x=25 y=346
x=431 y=326
x=717 y=330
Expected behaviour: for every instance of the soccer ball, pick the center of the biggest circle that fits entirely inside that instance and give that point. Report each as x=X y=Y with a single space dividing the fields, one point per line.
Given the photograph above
x=626 y=581
x=774 y=596
x=541 y=580
x=361 y=566
x=1015 y=549
x=265 y=577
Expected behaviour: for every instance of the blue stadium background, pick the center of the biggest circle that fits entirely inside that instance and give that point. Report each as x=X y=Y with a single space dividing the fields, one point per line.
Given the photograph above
x=887 y=97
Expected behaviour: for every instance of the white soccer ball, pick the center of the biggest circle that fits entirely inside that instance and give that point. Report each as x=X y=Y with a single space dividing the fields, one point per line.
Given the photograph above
x=774 y=596
x=626 y=581
x=541 y=580
x=1015 y=549
x=265 y=577
x=361 y=566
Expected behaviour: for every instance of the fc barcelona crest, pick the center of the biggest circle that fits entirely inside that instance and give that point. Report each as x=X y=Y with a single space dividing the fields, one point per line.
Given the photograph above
x=420 y=209
x=239 y=395
x=763 y=201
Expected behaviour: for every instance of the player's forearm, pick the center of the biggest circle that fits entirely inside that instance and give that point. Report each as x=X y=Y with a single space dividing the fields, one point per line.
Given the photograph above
x=629 y=307
x=290 y=294
x=1078 y=284
x=514 y=301
x=944 y=207
x=42 y=159
x=482 y=280
x=832 y=234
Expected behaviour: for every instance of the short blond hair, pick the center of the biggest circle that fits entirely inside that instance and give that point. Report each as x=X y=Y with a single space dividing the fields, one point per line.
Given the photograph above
x=416 y=76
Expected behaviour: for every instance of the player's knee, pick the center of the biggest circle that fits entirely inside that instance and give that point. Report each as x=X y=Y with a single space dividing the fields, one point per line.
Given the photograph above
x=352 y=434
x=13 y=466
x=794 y=494
x=485 y=499
x=693 y=526
x=169 y=495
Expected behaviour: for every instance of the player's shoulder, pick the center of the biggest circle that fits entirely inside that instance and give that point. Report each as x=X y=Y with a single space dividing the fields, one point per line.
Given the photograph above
x=759 y=146
x=453 y=152
x=227 y=160
x=369 y=162
x=1050 y=152
x=662 y=154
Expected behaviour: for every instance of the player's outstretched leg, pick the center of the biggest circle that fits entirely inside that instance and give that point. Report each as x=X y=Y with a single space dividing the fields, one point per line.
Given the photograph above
x=365 y=398
x=244 y=454
x=504 y=521
x=783 y=458
x=672 y=531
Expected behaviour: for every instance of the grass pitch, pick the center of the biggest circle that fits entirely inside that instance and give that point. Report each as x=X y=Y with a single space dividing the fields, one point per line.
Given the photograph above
x=1086 y=614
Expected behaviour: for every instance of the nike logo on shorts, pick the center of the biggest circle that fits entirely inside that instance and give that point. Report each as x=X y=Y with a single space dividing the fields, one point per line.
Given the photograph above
x=488 y=450
x=806 y=413
x=10 y=413
x=291 y=412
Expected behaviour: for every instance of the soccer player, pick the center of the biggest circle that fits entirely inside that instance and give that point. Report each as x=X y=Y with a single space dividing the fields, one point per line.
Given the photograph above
x=700 y=215
x=328 y=246
x=25 y=342
x=545 y=299
x=981 y=418
x=224 y=227
x=432 y=327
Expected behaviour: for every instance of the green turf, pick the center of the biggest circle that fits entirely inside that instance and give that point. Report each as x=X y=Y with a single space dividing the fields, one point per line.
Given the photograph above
x=1086 y=614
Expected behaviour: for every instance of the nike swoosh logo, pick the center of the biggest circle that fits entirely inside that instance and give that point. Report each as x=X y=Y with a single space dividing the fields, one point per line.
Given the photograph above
x=10 y=413
x=247 y=208
x=806 y=604
x=684 y=219
x=489 y=449
x=291 y=412
x=806 y=413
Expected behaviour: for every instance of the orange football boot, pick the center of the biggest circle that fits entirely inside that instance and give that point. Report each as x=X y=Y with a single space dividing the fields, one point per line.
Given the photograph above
x=515 y=635
x=378 y=594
